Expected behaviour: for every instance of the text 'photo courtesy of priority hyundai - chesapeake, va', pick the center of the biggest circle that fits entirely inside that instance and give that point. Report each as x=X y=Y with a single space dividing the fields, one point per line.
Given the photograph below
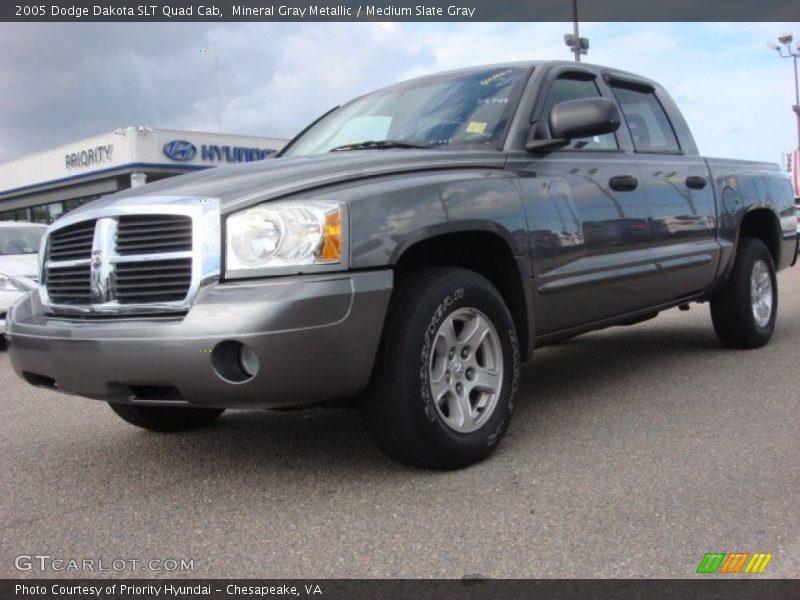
x=402 y=250
x=265 y=283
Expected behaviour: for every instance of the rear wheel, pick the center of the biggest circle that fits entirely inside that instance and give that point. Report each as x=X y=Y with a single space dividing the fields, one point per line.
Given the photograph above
x=166 y=418
x=744 y=311
x=442 y=392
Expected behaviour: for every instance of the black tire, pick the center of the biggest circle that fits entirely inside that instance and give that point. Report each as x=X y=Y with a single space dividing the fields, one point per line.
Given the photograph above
x=166 y=418
x=398 y=407
x=731 y=308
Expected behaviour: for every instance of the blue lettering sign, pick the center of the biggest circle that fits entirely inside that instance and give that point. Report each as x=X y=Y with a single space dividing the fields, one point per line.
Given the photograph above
x=184 y=151
x=234 y=153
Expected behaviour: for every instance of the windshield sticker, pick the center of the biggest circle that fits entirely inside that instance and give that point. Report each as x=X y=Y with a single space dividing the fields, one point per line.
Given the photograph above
x=496 y=76
x=494 y=100
x=476 y=127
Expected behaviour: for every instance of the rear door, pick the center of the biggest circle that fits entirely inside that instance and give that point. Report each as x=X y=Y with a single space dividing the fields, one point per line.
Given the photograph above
x=681 y=211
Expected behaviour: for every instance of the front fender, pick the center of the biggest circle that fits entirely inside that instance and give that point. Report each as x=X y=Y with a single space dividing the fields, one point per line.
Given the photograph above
x=389 y=215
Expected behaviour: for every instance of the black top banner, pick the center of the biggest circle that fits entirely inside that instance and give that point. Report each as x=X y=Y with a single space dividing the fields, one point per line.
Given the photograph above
x=398 y=10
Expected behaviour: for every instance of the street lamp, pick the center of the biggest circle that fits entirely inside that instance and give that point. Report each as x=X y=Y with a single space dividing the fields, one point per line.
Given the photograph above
x=784 y=49
x=576 y=44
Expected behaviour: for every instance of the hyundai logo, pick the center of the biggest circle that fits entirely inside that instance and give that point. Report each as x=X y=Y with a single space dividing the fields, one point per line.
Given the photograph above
x=180 y=150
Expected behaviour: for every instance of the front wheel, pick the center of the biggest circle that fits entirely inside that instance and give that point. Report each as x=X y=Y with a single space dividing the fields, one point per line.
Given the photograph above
x=744 y=310
x=166 y=418
x=443 y=389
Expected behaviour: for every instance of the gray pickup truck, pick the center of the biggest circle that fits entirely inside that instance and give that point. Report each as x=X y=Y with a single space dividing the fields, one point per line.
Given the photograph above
x=408 y=249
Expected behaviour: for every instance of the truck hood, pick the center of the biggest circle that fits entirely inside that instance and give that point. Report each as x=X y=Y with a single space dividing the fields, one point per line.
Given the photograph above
x=240 y=186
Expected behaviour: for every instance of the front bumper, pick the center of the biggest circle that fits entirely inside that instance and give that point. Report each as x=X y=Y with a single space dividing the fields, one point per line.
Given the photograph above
x=315 y=338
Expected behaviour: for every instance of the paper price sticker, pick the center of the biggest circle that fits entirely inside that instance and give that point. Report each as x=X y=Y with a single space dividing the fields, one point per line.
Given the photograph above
x=476 y=127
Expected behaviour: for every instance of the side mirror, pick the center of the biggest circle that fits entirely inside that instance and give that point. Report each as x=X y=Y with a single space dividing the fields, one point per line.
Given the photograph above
x=585 y=117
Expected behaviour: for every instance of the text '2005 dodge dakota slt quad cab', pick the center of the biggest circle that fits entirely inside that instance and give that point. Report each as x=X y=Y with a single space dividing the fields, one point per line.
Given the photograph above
x=408 y=249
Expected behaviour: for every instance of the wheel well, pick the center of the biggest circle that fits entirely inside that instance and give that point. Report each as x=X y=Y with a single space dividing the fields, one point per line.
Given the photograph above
x=761 y=224
x=484 y=252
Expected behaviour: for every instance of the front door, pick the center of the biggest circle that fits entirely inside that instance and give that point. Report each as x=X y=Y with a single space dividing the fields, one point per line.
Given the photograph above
x=588 y=222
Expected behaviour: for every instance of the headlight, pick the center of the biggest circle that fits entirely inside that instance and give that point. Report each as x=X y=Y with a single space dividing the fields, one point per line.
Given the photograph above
x=284 y=234
x=7 y=284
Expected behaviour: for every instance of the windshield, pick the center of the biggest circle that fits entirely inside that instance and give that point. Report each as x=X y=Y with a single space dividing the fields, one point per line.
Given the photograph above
x=448 y=110
x=20 y=240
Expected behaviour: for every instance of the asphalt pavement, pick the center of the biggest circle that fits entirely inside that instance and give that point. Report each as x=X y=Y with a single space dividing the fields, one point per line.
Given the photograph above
x=632 y=453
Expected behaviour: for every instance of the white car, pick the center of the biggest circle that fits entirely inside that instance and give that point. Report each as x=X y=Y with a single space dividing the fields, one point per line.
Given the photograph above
x=19 y=272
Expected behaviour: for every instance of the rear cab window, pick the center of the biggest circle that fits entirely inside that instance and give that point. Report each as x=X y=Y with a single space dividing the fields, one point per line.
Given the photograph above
x=646 y=119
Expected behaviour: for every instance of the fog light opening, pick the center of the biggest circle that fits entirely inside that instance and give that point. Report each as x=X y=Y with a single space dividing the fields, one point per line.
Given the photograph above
x=40 y=380
x=248 y=361
x=234 y=362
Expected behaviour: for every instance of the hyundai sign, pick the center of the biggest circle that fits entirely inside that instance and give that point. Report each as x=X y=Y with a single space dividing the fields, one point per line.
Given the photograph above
x=182 y=150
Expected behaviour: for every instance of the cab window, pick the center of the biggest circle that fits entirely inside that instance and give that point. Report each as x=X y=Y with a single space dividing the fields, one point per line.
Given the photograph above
x=647 y=120
x=568 y=87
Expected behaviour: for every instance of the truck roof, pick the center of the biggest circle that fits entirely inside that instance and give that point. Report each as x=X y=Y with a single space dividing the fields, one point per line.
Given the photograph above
x=548 y=64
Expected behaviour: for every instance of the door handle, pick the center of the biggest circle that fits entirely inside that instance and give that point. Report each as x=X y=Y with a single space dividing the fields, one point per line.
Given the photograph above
x=623 y=183
x=696 y=182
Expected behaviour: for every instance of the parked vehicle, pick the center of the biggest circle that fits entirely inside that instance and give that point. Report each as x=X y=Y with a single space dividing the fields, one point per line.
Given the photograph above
x=410 y=248
x=19 y=271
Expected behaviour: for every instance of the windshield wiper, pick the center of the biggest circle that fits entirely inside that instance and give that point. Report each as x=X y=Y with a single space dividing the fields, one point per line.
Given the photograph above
x=378 y=145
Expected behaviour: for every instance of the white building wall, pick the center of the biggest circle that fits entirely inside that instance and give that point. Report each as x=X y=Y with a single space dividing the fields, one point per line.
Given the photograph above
x=51 y=164
x=126 y=146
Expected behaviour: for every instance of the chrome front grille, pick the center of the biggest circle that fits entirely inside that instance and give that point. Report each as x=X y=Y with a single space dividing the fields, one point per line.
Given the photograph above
x=152 y=234
x=146 y=255
x=141 y=256
x=154 y=281
x=130 y=259
x=69 y=285
x=73 y=242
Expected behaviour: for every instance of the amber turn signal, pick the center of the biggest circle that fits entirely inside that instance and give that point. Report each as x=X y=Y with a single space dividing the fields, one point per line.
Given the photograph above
x=332 y=237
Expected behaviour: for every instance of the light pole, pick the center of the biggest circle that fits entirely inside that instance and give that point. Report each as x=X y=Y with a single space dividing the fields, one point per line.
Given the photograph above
x=216 y=77
x=784 y=49
x=574 y=41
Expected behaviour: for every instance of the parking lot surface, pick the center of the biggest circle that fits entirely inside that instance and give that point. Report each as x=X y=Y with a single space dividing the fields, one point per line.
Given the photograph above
x=633 y=452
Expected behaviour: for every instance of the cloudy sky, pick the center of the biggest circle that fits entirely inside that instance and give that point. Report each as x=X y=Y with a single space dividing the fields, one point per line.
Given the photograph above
x=65 y=81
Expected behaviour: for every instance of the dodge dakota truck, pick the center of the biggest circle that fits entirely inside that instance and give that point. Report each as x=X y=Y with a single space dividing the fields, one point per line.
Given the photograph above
x=409 y=250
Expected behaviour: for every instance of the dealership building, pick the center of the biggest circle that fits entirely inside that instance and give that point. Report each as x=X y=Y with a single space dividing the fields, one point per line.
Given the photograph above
x=43 y=186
